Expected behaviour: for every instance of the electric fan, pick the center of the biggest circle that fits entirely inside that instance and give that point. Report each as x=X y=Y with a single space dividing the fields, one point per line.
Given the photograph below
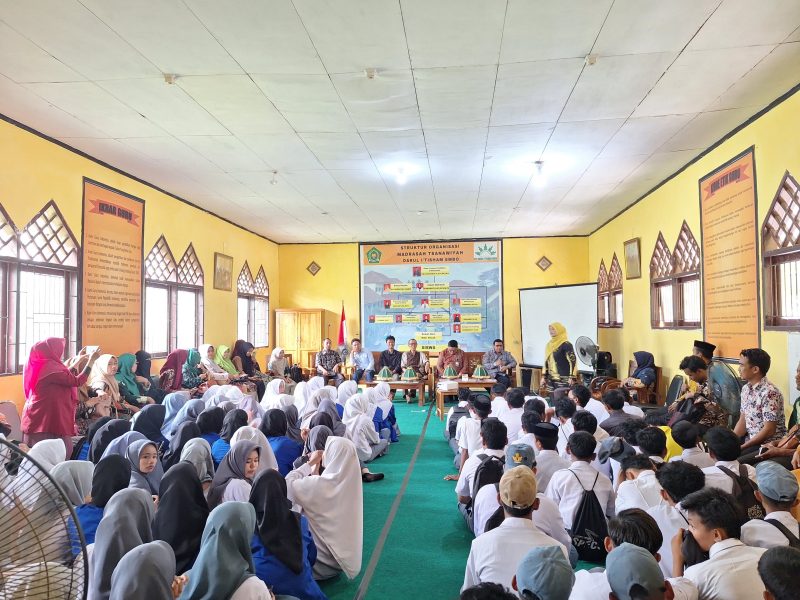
x=42 y=548
x=726 y=388
x=586 y=350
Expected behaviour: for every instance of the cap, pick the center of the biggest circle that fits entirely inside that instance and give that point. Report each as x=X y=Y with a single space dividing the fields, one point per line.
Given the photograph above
x=705 y=346
x=545 y=572
x=775 y=482
x=518 y=488
x=545 y=430
x=481 y=402
x=520 y=455
x=628 y=565
x=616 y=448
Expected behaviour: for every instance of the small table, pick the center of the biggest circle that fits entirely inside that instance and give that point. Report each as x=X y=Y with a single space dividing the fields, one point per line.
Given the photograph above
x=462 y=383
x=418 y=385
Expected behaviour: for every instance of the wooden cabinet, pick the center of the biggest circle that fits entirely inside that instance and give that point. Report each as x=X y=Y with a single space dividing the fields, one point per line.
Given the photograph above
x=299 y=331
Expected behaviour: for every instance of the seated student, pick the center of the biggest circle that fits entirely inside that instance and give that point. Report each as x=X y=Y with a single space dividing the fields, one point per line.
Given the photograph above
x=494 y=555
x=453 y=421
x=493 y=443
x=146 y=469
x=644 y=370
x=778 y=568
x=275 y=427
x=659 y=418
x=512 y=415
x=148 y=422
x=677 y=480
x=544 y=573
x=724 y=448
x=615 y=404
x=329 y=364
x=583 y=420
x=486 y=510
x=652 y=442
x=633 y=573
x=362 y=362
x=231 y=423
x=232 y=480
x=582 y=396
x=487 y=591
x=638 y=487
x=498 y=397
x=157 y=560
x=498 y=362
x=469 y=436
x=197 y=453
x=565 y=410
x=629 y=408
x=548 y=460
x=209 y=422
x=632 y=527
x=132 y=386
x=566 y=486
x=628 y=433
x=110 y=475
x=391 y=358
x=216 y=374
x=688 y=436
x=731 y=571
x=452 y=356
x=698 y=405
x=528 y=420
x=244 y=361
x=361 y=431
x=777 y=492
x=537 y=405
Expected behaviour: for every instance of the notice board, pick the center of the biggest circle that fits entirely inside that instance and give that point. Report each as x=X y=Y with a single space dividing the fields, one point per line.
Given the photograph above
x=111 y=269
x=729 y=247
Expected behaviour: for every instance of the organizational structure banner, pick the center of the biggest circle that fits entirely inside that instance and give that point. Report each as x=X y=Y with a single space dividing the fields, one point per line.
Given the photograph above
x=432 y=291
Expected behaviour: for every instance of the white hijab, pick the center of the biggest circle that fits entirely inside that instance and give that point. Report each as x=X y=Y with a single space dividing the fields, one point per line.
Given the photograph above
x=315 y=383
x=333 y=503
x=317 y=396
x=284 y=401
x=345 y=390
x=209 y=363
x=27 y=485
x=301 y=393
x=75 y=479
x=266 y=458
x=380 y=397
x=359 y=426
x=272 y=394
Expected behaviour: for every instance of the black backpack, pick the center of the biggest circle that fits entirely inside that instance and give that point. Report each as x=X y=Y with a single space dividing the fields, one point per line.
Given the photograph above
x=295 y=373
x=452 y=423
x=489 y=472
x=589 y=527
x=794 y=542
x=744 y=490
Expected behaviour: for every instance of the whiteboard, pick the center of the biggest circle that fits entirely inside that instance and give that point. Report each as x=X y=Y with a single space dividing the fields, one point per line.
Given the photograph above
x=574 y=306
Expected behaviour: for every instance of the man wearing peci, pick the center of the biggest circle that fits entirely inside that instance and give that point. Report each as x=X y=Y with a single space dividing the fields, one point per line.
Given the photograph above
x=498 y=362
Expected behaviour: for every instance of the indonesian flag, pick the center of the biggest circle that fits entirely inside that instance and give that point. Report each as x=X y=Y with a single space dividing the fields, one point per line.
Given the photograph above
x=343 y=329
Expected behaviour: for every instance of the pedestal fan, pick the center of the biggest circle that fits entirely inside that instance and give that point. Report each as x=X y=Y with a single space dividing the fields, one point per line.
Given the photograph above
x=586 y=351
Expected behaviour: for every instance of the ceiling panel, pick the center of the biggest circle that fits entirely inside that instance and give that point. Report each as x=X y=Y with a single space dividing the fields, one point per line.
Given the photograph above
x=339 y=150
x=659 y=166
x=283 y=152
x=581 y=139
x=644 y=135
x=25 y=62
x=364 y=185
x=467 y=143
x=387 y=102
x=225 y=151
x=706 y=128
x=396 y=146
x=738 y=23
x=455 y=97
x=605 y=170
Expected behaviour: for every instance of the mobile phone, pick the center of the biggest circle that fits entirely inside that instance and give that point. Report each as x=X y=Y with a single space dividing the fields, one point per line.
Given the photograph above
x=761 y=450
x=92 y=349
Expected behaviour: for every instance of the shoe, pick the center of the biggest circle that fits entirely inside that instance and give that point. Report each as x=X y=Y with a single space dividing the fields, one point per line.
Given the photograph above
x=370 y=477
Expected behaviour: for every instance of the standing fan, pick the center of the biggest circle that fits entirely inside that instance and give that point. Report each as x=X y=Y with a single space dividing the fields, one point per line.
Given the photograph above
x=42 y=548
x=726 y=388
x=586 y=350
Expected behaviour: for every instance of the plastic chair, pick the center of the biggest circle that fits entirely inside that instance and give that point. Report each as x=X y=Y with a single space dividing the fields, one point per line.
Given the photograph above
x=9 y=409
x=674 y=389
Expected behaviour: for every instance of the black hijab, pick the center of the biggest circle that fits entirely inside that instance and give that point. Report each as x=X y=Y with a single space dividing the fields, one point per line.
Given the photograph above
x=234 y=420
x=294 y=423
x=105 y=435
x=182 y=513
x=149 y=422
x=277 y=525
x=321 y=419
x=210 y=420
x=240 y=349
x=143 y=363
x=111 y=474
x=274 y=423
x=94 y=428
x=186 y=431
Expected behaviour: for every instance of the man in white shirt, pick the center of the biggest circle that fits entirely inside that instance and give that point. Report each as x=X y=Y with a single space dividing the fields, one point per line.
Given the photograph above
x=494 y=556
x=512 y=415
x=566 y=486
x=468 y=429
x=677 y=480
x=639 y=488
x=778 y=568
x=731 y=570
x=777 y=492
x=583 y=420
x=547 y=459
x=630 y=567
x=581 y=396
x=652 y=441
x=686 y=435
x=493 y=437
x=529 y=420
x=565 y=410
x=724 y=448
x=498 y=399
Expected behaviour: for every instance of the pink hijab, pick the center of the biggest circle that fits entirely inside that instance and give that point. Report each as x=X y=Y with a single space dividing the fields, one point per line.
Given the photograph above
x=44 y=360
x=175 y=360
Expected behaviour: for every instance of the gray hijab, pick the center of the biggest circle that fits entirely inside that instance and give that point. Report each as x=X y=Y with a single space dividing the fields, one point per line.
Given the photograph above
x=327 y=407
x=126 y=524
x=149 y=482
x=198 y=452
x=155 y=560
x=231 y=467
x=293 y=421
x=120 y=445
x=315 y=441
x=74 y=477
x=188 y=412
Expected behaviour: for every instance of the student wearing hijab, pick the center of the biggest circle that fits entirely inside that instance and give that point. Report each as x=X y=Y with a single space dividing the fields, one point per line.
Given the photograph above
x=104 y=435
x=301 y=393
x=279 y=366
x=243 y=359
x=329 y=501
x=233 y=420
x=125 y=525
x=197 y=452
x=172 y=371
x=51 y=394
x=187 y=431
x=224 y=568
x=216 y=374
x=110 y=475
x=275 y=389
x=103 y=380
x=223 y=358
x=74 y=477
x=234 y=475
x=644 y=373
x=181 y=515
x=146 y=469
x=343 y=392
x=381 y=398
x=144 y=364
x=312 y=406
x=327 y=407
x=120 y=445
x=293 y=424
x=560 y=364
x=283 y=548
x=361 y=431
x=25 y=487
x=149 y=422
x=132 y=387
x=188 y=413
x=210 y=423
x=266 y=457
x=275 y=427
x=173 y=402
x=81 y=452
x=315 y=440
x=157 y=561
x=192 y=376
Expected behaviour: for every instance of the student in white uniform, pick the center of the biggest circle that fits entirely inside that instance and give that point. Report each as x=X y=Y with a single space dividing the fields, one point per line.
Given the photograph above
x=687 y=436
x=493 y=441
x=567 y=485
x=724 y=448
x=529 y=420
x=498 y=399
x=469 y=437
x=778 y=568
x=630 y=568
x=547 y=459
x=639 y=487
x=544 y=573
x=565 y=410
x=731 y=570
x=652 y=441
x=777 y=492
x=581 y=395
x=610 y=451
x=583 y=420
x=494 y=556
x=512 y=415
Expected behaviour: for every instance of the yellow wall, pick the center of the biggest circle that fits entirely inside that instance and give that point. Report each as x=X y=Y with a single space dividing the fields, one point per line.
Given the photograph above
x=774 y=136
x=34 y=171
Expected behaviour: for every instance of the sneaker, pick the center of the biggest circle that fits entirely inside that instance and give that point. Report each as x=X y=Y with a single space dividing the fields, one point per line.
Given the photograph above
x=370 y=477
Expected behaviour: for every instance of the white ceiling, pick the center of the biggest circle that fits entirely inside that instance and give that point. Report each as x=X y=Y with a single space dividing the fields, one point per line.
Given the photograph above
x=467 y=95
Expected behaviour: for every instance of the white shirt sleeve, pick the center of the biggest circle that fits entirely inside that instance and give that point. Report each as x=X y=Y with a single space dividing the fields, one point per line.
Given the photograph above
x=297 y=474
x=470 y=574
x=237 y=490
x=628 y=496
x=683 y=588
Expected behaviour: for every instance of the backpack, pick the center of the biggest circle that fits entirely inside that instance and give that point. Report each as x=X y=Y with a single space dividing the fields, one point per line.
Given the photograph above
x=744 y=491
x=489 y=472
x=452 y=422
x=794 y=542
x=497 y=517
x=589 y=527
x=295 y=373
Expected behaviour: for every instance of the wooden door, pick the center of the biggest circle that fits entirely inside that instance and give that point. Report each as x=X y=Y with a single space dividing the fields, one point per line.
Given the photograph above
x=286 y=331
x=310 y=328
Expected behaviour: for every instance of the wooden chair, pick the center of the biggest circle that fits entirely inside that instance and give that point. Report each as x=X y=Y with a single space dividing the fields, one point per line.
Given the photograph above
x=609 y=384
x=596 y=384
x=647 y=394
x=9 y=409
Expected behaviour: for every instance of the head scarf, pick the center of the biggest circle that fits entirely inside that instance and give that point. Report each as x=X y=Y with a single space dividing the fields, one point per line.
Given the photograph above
x=125 y=374
x=332 y=499
x=293 y=422
x=197 y=452
x=74 y=477
x=644 y=360
x=315 y=383
x=124 y=526
x=274 y=423
x=382 y=397
x=209 y=363
x=231 y=467
x=240 y=349
x=111 y=475
x=233 y=420
x=276 y=355
x=266 y=457
x=225 y=560
x=223 y=362
x=327 y=407
x=175 y=360
x=555 y=341
x=174 y=402
x=284 y=401
x=321 y=419
x=145 y=573
x=273 y=392
x=182 y=513
x=316 y=439
x=301 y=393
x=210 y=420
x=188 y=413
x=149 y=421
x=356 y=407
x=44 y=360
x=192 y=361
x=121 y=444
x=143 y=364
x=105 y=435
x=149 y=482
x=99 y=374
x=187 y=431
x=94 y=428
x=318 y=396
x=344 y=391
x=27 y=485
x=277 y=525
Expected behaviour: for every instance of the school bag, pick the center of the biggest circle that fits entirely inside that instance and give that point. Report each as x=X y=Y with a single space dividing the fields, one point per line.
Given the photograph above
x=452 y=421
x=296 y=373
x=744 y=490
x=794 y=542
x=589 y=527
x=489 y=471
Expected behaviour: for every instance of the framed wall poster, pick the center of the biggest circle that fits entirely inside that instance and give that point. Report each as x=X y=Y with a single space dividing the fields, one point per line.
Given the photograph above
x=223 y=272
x=633 y=259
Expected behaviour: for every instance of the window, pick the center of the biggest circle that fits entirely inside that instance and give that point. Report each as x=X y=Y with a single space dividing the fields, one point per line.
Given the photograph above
x=780 y=243
x=661 y=310
x=253 y=307
x=602 y=296
x=675 y=282
x=173 y=300
x=615 y=293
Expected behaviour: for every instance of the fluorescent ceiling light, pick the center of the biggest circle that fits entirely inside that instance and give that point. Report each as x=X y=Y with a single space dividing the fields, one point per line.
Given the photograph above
x=401 y=171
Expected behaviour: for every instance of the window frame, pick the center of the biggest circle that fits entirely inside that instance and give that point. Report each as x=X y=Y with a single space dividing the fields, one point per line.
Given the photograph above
x=615 y=278
x=776 y=252
x=676 y=272
x=603 y=297
x=247 y=290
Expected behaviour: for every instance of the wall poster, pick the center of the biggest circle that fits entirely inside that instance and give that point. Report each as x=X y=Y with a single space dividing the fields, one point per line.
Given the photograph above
x=111 y=269
x=729 y=249
x=432 y=291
